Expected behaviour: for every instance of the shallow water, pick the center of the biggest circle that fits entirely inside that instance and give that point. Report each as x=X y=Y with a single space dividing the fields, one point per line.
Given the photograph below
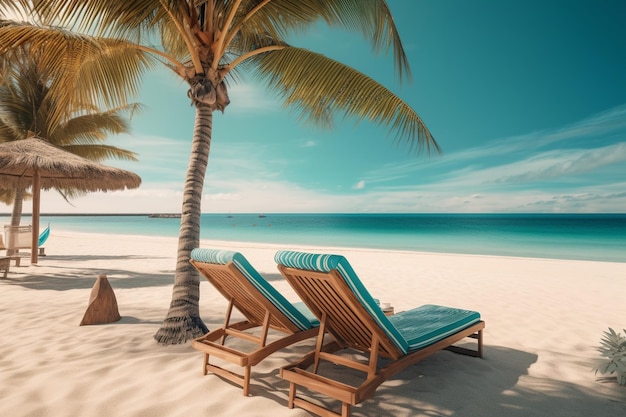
x=562 y=236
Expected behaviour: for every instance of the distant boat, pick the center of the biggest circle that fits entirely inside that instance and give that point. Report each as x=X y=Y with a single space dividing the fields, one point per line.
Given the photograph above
x=262 y=215
x=164 y=215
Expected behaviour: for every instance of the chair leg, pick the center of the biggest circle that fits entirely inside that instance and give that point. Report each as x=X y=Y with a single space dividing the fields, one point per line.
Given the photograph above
x=345 y=409
x=320 y=342
x=292 y=394
x=246 y=381
x=205 y=363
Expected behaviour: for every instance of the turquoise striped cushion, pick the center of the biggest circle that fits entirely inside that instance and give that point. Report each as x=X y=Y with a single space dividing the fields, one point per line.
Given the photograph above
x=302 y=308
x=410 y=330
x=425 y=325
x=298 y=315
x=326 y=263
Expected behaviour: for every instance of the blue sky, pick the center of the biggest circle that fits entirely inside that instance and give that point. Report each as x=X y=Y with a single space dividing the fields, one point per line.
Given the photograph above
x=527 y=100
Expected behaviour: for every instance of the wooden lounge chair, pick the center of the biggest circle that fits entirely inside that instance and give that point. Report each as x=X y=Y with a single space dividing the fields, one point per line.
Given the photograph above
x=263 y=307
x=14 y=256
x=332 y=291
x=5 y=265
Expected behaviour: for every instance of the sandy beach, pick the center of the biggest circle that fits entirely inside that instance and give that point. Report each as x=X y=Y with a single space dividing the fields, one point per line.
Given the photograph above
x=544 y=320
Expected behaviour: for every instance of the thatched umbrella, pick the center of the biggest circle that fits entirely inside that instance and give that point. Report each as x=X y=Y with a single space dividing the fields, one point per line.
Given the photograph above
x=36 y=162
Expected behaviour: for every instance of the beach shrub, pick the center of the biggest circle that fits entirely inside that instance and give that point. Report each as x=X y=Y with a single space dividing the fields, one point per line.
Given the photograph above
x=613 y=348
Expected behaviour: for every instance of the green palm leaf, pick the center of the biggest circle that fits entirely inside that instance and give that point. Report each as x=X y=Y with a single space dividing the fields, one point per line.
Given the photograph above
x=317 y=86
x=371 y=17
x=98 y=70
x=613 y=348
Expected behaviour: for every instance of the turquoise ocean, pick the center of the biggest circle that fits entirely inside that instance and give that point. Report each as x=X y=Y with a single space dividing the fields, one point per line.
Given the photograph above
x=600 y=237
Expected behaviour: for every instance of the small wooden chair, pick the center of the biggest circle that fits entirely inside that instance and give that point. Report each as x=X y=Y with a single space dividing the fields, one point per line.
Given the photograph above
x=5 y=264
x=263 y=307
x=332 y=291
x=13 y=257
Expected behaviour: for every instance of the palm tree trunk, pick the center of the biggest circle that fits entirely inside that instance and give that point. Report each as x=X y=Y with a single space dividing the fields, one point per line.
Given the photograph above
x=183 y=320
x=16 y=217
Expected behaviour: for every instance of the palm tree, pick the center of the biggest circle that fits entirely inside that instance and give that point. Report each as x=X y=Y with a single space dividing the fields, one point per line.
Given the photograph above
x=207 y=43
x=27 y=106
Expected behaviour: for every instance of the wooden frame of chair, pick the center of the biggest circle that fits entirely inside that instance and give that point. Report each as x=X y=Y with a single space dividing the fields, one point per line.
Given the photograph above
x=5 y=265
x=261 y=317
x=15 y=256
x=352 y=327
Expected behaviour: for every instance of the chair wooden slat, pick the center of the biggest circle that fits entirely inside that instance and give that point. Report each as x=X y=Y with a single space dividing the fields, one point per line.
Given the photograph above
x=344 y=317
x=261 y=316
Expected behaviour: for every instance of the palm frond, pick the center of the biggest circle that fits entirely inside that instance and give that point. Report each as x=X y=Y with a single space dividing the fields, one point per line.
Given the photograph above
x=92 y=69
x=7 y=196
x=135 y=21
x=95 y=152
x=13 y=7
x=113 y=72
x=318 y=87
x=90 y=128
x=25 y=103
x=126 y=16
x=7 y=131
x=279 y=18
x=48 y=44
x=68 y=194
x=173 y=42
x=141 y=22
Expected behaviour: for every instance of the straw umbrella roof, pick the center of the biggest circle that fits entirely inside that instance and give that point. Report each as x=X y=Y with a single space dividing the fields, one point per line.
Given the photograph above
x=37 y=163
x=57 y=168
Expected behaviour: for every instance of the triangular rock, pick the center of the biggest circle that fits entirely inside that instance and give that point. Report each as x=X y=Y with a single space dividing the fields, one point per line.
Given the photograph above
x=102 y=306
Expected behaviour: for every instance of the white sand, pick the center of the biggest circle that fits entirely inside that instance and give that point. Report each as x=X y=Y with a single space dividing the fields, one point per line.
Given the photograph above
x=544 y=321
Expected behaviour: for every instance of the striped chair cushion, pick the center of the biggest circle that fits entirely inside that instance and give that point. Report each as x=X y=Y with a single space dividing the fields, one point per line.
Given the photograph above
x=409 y=330
x=427 y=324
x=326 y=263
x=298 y=314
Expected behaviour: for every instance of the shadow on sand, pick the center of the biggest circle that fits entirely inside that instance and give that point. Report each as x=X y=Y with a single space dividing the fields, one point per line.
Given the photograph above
x=446 y=384
x=73 y=276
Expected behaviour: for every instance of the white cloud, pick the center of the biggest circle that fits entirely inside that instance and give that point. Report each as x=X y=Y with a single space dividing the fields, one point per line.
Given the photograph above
x=223 y=197
x=261 y=196
x=611 y=120
x=250 y=97
x=559 y=163
x=549 y=165
x=470 y=181
x=521 y=162
x=142 y=200
x=157 y=156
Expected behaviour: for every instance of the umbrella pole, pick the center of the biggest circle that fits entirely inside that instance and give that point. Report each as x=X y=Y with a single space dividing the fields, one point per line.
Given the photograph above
x=35 y=238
